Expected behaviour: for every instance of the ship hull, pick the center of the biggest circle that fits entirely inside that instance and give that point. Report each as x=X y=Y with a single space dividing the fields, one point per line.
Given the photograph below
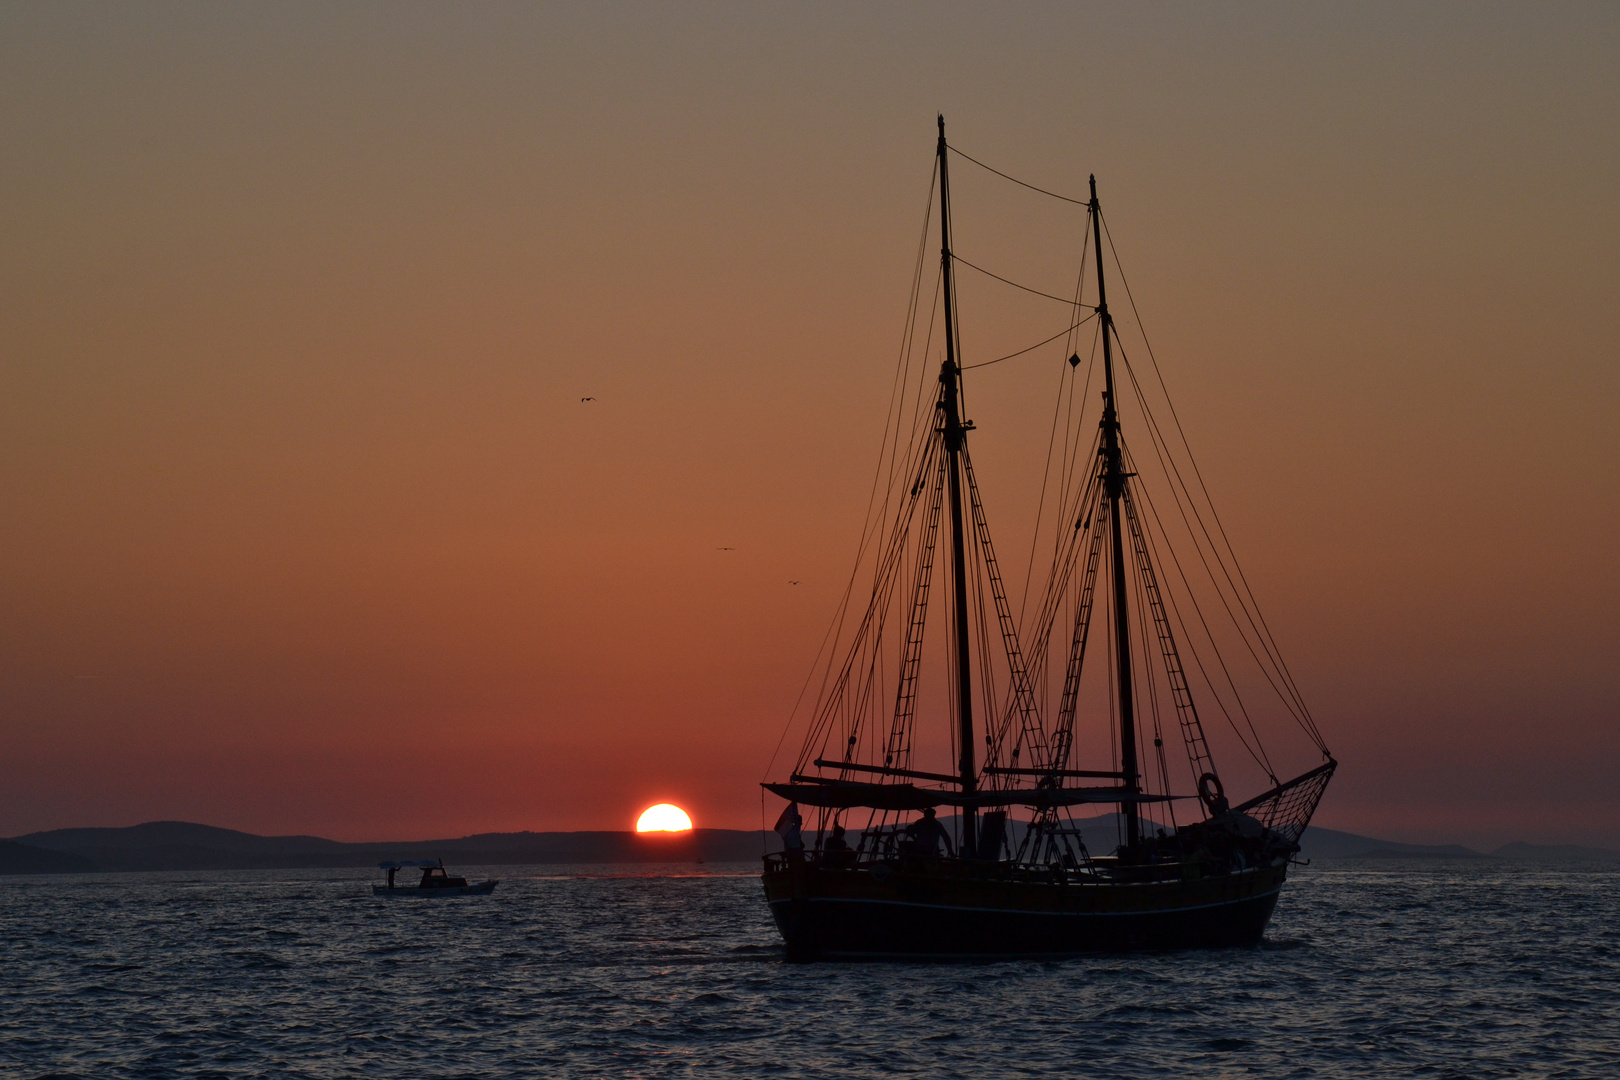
x=933 y=913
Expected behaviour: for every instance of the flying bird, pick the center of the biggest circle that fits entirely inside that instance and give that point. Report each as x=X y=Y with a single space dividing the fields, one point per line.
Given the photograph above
x=725 y=549
x=793 y=583
x=587 y=399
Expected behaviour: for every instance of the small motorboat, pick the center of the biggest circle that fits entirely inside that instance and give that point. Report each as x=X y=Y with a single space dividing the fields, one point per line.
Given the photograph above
x=435 y=881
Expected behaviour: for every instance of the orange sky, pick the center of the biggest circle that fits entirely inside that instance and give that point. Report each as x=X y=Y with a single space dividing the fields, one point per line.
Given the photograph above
x=306 y=529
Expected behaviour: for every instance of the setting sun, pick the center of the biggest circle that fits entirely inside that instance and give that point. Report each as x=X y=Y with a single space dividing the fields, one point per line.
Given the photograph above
x=663 y=818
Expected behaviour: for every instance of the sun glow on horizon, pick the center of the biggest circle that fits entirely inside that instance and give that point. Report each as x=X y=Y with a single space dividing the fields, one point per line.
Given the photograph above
x=665 y=817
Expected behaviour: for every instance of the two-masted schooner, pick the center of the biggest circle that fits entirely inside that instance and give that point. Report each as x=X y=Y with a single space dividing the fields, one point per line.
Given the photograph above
x=877 y=871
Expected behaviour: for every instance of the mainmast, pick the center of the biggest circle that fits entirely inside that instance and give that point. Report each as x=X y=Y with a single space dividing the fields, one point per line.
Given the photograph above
x=1114 y=484
x=955 y=432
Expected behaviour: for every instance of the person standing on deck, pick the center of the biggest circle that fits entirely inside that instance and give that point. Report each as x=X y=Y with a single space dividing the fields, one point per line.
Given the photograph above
x=923 y=836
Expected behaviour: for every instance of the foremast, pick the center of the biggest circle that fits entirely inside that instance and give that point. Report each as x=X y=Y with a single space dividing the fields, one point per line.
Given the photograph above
x=950 y=376
x=1114 y=487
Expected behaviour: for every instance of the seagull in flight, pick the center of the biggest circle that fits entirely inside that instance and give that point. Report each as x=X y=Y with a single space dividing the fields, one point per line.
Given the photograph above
x=793 y=583
x=587 y=399
x=725 y=549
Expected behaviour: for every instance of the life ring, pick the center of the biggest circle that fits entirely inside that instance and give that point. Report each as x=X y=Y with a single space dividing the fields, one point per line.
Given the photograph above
x=1213 y=793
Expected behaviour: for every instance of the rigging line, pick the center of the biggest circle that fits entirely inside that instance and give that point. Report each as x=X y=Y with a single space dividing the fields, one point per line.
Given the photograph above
x=895 y=566
x=917 y=414
x=1080 y=278
x=1154 y=432
x=903 y=367
x=907 y=341
x=1070 y=542
x=1197 y=609
x=1040 y=506
x=919 y=442
x=1094 y=476
x=1066 y=330
x=920 y=445
x=1143 y=658
x=867 y=637
x=1286 y=693
x=1199 y=757
x=921 y=574
x=1020 y=693
x=912 y=441
x=987 y=690
x=1273 y=649
x=1051 y=442
x=1111 y=614
x=1020 y=183
x=897 y=401
x=1065 y=465
x=928 y=345
x=1075 y=539
x=1289 y=691
x=1258 y=751
x=1064 y=540
x=1072 y=465
x=1070 y=346
x=1009 y=281
x=1162 y=450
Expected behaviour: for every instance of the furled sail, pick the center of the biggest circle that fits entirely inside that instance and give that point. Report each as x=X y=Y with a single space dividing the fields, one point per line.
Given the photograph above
x=848 y=794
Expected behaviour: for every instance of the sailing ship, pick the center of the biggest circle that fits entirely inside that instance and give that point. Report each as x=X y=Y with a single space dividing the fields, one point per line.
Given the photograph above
x=1015 y=702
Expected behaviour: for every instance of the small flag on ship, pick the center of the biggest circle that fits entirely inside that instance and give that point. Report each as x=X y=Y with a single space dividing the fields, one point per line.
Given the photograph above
x=788 y=826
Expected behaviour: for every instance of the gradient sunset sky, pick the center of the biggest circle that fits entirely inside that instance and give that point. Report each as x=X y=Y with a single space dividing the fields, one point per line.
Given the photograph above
x=306 y=529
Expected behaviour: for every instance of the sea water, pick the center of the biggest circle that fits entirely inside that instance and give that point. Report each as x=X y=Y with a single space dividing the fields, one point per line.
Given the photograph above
x=1445 y=969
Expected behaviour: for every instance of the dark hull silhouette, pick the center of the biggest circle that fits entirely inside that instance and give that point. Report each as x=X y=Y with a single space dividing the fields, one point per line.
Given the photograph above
x=482 y=888
x=951 y=910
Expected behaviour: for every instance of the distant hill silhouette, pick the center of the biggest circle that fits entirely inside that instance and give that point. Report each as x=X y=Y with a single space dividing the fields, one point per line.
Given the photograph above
x=18 y=858
x=1555 y=853
x=181 y=845
x=1332 y=844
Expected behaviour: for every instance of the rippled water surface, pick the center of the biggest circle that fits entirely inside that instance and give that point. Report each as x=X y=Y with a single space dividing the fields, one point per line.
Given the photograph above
x=1439 y=969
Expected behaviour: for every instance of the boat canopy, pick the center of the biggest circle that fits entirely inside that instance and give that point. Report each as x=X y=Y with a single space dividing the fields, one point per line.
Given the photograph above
x=404 y=863
x=848 y=793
